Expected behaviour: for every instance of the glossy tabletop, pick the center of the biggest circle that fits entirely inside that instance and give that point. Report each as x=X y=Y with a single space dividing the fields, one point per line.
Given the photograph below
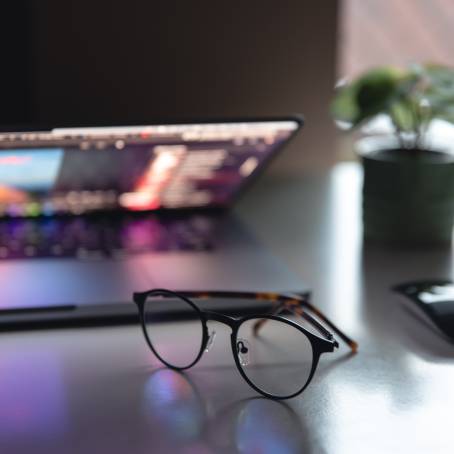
x=100 y=389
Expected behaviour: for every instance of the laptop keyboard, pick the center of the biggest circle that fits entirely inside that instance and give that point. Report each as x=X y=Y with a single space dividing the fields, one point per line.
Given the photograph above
x=101 y=237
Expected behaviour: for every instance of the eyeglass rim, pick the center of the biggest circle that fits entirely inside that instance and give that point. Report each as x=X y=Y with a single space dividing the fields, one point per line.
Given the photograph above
x=140 y=300
x=319 y=344
x=317 y=350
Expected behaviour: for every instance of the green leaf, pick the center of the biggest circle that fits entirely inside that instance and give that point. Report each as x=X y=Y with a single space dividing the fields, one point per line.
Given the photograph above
x=447 y=113
x=366 y=97
x=402 y=116
x=343 y=107
x=440 y=78
x=375 y=90
x=437 y=88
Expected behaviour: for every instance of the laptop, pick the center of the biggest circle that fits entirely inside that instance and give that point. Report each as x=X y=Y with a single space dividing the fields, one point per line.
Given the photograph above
x=89 y=215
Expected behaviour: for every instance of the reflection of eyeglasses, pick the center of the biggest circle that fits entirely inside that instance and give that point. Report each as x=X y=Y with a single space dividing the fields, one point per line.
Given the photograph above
x=274 y=354
x=181 y=415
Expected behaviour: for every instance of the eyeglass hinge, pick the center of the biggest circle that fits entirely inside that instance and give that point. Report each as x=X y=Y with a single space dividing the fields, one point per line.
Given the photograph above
x=330 y=337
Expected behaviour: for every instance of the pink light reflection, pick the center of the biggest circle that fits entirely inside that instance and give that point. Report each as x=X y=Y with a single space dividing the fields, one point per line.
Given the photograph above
x=32 y=396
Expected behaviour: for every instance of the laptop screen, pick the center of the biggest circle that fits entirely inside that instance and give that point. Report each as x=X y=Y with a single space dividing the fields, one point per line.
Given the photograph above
x=132 y=168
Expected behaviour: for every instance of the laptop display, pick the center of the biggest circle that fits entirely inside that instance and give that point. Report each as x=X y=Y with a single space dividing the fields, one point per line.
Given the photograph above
x=137 y=168
x=52 y=182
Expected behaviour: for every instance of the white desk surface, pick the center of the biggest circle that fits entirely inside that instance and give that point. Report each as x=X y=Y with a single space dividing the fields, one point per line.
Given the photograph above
x=100 y=390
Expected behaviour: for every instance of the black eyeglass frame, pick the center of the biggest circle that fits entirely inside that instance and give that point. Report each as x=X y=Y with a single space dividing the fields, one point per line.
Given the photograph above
x=319 y=344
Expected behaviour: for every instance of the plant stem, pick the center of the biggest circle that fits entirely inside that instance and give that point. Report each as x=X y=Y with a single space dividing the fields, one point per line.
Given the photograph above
x=414 y=109
x=426 y=119
x=398 y=131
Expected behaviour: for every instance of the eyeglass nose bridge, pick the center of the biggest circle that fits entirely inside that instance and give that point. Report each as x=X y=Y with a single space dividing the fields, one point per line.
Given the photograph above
x=242 y=350
x=221 y=318
x=210 y=341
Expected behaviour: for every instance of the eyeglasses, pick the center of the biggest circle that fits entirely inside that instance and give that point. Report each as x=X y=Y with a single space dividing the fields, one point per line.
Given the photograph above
x=274 y=354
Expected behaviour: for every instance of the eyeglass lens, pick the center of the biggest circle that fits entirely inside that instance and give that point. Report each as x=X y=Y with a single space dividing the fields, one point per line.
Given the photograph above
x=176 y=347
x=278 y=360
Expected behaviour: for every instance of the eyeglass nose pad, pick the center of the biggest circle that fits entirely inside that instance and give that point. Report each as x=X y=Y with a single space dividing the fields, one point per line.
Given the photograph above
x=211 y=337
x=242 y=350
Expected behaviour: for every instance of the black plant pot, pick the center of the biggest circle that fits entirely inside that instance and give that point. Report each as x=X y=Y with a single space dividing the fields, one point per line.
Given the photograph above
x=408 y=195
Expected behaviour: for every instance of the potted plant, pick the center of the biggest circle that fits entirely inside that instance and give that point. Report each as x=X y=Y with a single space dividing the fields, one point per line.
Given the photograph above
x=408 y=189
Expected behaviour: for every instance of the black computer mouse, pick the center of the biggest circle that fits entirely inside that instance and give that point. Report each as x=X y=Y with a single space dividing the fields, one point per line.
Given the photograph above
x=434 y=299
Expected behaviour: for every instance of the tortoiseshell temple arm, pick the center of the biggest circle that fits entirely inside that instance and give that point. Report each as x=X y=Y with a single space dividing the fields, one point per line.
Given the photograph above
x=296 y=306
x=294 y=303
x=350 y=342
x=281 y=307
x=258 y=296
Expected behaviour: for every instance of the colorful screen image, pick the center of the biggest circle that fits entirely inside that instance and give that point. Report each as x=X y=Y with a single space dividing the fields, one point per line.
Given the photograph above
x=26 y=174
x=138 y=168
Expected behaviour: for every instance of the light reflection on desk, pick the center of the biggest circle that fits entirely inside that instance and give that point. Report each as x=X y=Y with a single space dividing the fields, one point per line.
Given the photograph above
x=265 y=426
x=173 y=406
x=32 y=396
x=176 y=409
x=344 y=251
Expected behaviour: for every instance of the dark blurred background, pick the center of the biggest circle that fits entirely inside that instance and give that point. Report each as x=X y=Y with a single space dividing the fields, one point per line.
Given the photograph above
x=98 y=62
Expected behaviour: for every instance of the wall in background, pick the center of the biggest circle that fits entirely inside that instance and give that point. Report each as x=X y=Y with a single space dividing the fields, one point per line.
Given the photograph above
x=127 y=62
x=377 y=32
